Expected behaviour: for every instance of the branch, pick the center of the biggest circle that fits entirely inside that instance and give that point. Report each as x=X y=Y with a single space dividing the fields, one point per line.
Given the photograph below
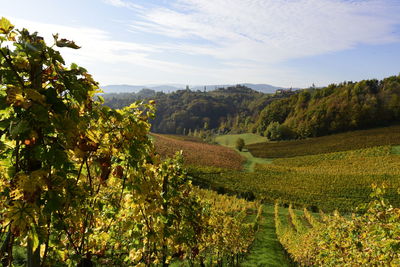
x=80 y=171
x=69 y=236
x=89 y=176
x=4 y=246
x=46 y=249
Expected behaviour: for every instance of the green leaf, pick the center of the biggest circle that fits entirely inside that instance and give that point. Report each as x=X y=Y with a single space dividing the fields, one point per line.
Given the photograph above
x=67 y=43
x=56 y=103
x=41 y=112
x=56 y=56
x=54 y=202
x=21 y=127
x=5 y=26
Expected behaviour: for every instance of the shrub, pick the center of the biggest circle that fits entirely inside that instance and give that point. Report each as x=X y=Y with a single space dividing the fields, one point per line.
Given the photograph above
x=240 y=144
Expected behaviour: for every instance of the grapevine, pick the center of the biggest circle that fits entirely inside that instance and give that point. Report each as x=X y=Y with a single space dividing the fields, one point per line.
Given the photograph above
x=81 y=183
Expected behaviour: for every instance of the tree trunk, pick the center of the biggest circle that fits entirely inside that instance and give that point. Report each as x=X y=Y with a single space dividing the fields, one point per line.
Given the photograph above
x=33 y=255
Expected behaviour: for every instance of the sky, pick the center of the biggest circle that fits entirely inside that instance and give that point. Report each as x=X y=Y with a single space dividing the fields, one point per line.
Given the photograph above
x=288 y=43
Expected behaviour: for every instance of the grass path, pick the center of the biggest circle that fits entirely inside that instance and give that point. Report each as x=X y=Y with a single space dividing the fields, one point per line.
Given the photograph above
x=251 y=161
x=266 y=250
x=396 y=150
x=229 y=140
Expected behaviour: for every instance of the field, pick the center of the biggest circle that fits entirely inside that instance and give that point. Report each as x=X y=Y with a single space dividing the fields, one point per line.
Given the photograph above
x=198 y=153
x=81 y=184
x=340 y=180
x=230 y=139
x=184 y=138
x=328 y=144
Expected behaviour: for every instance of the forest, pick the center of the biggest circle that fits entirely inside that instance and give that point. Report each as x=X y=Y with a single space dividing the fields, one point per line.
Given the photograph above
x=231 y=109
x=281 y=116
x=332 y=109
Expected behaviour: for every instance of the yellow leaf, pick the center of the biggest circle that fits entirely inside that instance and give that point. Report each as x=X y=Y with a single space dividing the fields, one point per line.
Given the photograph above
x=5 y=26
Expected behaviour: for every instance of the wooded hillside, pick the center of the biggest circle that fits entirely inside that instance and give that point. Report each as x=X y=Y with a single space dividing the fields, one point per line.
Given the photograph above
x=232 y=109
x=336 y=108
x=285 y=115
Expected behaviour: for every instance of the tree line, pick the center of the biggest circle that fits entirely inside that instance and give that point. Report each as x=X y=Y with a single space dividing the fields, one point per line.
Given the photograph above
x=296 y=114
x=232 y=109
x=332 y=109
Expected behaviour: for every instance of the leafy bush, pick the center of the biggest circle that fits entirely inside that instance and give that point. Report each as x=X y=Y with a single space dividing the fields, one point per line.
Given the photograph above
x=239 y=144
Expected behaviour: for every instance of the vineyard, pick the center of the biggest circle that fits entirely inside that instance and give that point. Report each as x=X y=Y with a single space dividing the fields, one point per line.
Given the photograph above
x=340 y=180
x=198 y=153
x=367 y=238
x=82 y=185
x=327 y=144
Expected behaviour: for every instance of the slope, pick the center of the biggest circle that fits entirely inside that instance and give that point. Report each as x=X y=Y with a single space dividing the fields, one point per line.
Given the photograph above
x=327 y=144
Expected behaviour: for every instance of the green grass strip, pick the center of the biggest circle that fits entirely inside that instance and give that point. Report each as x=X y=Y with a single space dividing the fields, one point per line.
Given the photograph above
x=266 y=250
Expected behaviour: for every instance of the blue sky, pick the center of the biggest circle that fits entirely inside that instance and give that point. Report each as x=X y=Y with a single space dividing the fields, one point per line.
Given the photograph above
x=280 y=42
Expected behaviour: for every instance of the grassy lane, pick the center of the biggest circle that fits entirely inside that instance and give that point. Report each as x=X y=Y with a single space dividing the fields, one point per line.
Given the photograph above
x=229 y=140
x=396 y=150
x=251 y=161
x=266 y=250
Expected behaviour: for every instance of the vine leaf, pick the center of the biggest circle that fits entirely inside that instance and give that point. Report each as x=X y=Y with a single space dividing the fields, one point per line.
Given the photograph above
x=65 y=43
x=5 y=26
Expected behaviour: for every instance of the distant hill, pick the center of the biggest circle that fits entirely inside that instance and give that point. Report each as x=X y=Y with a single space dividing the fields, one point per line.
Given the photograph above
x=263 y=88
x=126 y=88
x=168 y=88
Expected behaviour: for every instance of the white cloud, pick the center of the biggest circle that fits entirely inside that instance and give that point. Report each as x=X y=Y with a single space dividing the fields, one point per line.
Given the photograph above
x=99 y=51
x=240 y=40
x=273 y=30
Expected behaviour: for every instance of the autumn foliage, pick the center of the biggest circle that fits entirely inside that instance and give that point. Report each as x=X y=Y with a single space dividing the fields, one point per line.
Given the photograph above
x=80 y=183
